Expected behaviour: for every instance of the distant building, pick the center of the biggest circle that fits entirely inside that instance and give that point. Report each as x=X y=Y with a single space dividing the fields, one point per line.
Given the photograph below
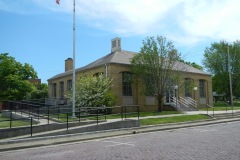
x=35 y=82
x=219 y=97
x=116 y=65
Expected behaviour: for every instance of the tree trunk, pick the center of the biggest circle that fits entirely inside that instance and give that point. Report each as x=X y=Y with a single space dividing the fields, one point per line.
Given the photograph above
x=160 y=102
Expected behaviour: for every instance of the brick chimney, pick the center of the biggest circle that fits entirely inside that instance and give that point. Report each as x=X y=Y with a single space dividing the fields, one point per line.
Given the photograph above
x=116 y=45
x=68 y=64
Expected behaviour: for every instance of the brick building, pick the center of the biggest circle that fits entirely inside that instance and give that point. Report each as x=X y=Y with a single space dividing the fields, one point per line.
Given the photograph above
x=35 y=82
x=116 y=65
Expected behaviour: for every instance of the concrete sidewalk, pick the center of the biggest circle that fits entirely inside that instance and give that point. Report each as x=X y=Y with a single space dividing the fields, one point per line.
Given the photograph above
x=13 y=144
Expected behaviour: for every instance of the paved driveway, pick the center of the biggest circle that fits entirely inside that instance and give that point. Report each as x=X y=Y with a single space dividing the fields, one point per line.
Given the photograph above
x=220 y=142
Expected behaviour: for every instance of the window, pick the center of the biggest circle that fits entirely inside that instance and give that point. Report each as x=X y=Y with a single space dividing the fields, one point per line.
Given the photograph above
x=54 y=90
x=69 y=85
x=127 y=84
x=61 y=89
x=201 y=88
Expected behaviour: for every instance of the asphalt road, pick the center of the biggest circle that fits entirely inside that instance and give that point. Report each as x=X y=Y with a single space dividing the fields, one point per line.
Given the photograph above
x=212 y=142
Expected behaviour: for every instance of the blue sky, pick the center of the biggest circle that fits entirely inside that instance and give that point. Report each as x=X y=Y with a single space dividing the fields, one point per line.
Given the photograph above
x=39 y=32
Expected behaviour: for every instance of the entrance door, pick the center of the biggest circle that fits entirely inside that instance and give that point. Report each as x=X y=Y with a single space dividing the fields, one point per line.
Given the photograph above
x=169 y=96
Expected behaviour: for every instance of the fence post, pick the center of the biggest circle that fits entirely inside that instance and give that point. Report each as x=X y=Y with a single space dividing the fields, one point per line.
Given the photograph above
x=31 y=126
x=97 y=116
x=28 y=110
x=122 y=112
x=58 y=111
x=105 y=114
x=38 y=112
x=232 y=110
x=11 y=119
x=48 y=115
x=125 y=112
x=207 y=109
x=67 y=121
x=79 y=114
x=213 y=111
x=15 y=108
x=226 y=109
x=20 y=107
x=138 y=111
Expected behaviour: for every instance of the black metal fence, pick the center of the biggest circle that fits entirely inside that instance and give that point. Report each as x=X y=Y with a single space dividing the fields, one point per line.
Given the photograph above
x=210 y=109
x=34 y=112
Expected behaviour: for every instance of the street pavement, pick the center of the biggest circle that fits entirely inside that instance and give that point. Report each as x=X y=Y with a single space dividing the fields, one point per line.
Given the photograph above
x=208 y=142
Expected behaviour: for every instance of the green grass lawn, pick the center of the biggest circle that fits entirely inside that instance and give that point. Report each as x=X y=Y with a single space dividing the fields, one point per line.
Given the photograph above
x=63 y=117
x=5 y=123
x=176 y=119
x=143 y=114
x=222 y=106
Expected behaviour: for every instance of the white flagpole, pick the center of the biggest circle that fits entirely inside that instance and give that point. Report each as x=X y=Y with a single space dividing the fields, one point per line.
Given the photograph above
x=73 y=80
x=230 y=78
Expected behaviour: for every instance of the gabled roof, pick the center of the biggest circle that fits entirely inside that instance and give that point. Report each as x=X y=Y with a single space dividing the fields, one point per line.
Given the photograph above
x=124 y=57
x=186 y=68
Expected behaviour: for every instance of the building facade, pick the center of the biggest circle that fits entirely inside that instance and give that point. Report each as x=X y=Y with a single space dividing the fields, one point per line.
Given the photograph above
x=116 y=65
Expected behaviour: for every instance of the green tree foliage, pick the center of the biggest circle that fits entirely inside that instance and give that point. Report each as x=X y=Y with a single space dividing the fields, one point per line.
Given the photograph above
x=216 y=61
x=39 y=92
x=13 y=78
x=93 y=92
x=156 y=66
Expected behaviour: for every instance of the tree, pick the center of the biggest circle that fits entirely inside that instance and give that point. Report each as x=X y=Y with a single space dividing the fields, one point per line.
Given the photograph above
x=39 y=92
x=216 y=61
x=156 y=66
x=14 y=84
x=93 y=92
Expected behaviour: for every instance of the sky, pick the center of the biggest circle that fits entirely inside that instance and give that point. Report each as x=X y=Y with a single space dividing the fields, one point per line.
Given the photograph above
x=40 y=32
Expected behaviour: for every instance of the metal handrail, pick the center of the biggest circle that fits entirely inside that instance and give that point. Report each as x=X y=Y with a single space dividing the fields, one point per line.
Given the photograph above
x=192 y=101
x=209 y=106
x=124 y=112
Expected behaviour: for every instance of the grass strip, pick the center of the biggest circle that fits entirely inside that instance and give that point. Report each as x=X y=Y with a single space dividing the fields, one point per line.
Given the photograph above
x=5 y=123
x=175 y=119
x=17 y=123
x=63 y=117
x=220 y=108
x=143 y=114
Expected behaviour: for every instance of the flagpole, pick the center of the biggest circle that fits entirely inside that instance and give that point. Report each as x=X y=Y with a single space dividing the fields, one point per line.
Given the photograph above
x=230 y=78
x=73 y=80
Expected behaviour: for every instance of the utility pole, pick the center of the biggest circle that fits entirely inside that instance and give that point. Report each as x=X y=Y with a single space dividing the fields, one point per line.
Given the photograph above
x=230 y=78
